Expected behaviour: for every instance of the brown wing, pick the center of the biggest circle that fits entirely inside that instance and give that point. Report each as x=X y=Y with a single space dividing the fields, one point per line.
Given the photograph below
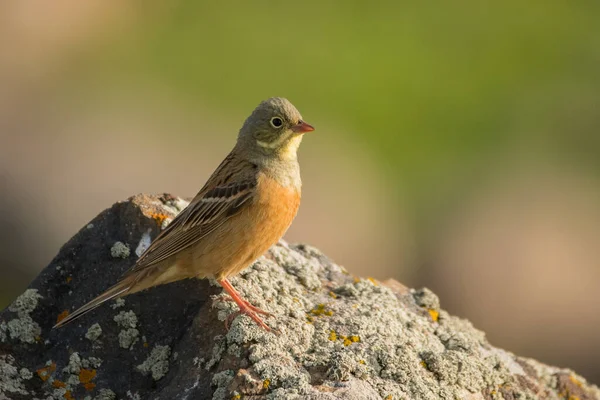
x=229 y=189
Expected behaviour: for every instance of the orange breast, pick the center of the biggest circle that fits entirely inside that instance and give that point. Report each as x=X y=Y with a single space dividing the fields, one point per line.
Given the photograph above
x=245 y=237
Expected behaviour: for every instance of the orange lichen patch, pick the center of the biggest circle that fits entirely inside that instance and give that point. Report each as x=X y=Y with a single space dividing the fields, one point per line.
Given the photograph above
x=86 y=375
x=69 y=279
x=145 y=344
x=62 y=316
x=44 y=373
x=68 y=395
x=356 y=280
x=266 y=384
x=333 y=336
x=347 y=342
x=373 y=281
x=58 y=384
x=389 y=397
x=159 y=218
x=435 y=315
x=333 y=295
x=89 y=386
x=237 y=397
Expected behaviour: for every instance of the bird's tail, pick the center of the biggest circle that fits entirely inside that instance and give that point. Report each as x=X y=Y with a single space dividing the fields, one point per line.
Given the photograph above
x=120 y=289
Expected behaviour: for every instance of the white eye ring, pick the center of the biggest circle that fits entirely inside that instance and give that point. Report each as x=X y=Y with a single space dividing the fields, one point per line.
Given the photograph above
x=276 y=122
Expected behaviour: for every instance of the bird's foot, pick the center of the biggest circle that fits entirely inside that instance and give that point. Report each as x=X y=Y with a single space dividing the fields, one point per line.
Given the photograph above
x=250 y=307
x=245 y=307
x=250 y=313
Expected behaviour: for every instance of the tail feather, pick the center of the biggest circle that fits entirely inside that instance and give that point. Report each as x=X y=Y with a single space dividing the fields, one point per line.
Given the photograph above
x=115 y=291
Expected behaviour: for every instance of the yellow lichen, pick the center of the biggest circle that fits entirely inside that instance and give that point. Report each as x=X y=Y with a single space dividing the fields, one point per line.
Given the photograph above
x=309 y=319
x=58 y=384
x=266 y=384
x=145 y=344
x=354 y=338
x=362 y=362
x=86 y=375
x=333 y=295
x=69 y=279
x=389 y=397
x=159 y=218
x=320 y=310
x=89 y=386
x=44 y=373
x=423 y=364
x=347 y=341
x=435 y=315
x=68 y=395
x=332 y=336
x=575 y=380
x=356 y=280
x=62 y=316
x=373 y=281
x=237 y=397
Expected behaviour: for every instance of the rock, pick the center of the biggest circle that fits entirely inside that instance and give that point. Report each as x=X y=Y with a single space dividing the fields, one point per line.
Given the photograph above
x=338 y=336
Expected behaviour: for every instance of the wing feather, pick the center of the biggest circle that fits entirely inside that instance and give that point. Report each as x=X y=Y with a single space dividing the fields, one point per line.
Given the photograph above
x=212 y=206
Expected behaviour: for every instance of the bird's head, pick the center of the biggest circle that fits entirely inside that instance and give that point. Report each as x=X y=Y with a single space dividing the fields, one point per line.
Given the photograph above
x=274 y=128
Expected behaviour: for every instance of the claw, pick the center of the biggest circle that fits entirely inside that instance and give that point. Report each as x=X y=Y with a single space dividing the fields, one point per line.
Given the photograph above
x=245 y=307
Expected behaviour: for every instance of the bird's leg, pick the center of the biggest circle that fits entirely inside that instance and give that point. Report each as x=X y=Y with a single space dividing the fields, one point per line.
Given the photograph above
x=245 y=307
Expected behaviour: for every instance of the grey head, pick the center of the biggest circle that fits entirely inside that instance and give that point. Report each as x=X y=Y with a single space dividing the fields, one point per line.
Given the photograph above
x=274 y=129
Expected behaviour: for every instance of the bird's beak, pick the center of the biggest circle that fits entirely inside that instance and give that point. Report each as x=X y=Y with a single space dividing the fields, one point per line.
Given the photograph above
x=302 y=127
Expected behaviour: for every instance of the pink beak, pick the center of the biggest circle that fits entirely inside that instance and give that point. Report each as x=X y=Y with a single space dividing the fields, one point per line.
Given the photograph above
x=302 y=127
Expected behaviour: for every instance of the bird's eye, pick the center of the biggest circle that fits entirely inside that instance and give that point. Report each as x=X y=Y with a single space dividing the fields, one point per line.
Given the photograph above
x=276 y=122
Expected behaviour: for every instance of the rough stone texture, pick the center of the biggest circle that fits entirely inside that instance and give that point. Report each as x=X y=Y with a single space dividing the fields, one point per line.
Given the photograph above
x=338 y=336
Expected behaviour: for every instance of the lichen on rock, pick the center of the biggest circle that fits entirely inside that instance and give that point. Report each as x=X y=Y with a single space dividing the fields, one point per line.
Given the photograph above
x=157 y=363
x=93 y=332
x=23 y=328
x=129 y=335
x=120 y=250
x=334 y=336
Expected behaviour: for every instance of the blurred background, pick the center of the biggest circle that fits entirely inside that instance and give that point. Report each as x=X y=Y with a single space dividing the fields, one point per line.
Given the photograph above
x=457 y=144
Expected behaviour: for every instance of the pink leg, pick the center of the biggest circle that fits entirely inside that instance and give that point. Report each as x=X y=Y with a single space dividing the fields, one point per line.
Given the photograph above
x=245 y=307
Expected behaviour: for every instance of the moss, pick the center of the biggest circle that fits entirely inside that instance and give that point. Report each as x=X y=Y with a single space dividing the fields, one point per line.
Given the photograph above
x=120 y=250
x=157 y=362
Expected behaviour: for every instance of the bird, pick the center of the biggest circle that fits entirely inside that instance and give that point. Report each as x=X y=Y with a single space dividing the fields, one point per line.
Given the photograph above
x=245 y=207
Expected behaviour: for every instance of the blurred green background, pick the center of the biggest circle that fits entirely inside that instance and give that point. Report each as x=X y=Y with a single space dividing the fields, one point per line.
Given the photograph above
x=457 y=144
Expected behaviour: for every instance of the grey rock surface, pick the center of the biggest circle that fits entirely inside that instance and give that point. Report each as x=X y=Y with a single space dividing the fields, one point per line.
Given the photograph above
x=338 y=336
